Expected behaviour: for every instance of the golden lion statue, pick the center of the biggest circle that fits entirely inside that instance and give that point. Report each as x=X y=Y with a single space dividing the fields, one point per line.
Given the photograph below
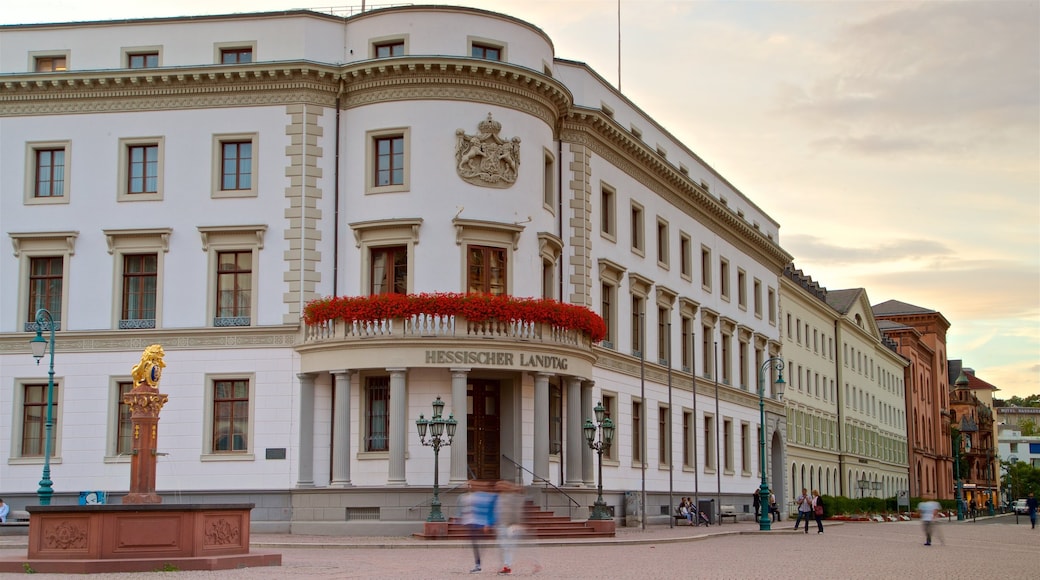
x=150 y=368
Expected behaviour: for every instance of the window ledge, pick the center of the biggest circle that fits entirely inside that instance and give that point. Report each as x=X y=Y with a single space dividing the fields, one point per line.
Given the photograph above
x=231 y=456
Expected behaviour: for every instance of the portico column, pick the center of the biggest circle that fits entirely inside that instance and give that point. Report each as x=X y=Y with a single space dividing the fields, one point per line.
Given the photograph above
x=541 y=425
x=305 y=457
x=341 y=429
x=588 y=466
x=575 y=435
x=398 y=426
x=459 y=468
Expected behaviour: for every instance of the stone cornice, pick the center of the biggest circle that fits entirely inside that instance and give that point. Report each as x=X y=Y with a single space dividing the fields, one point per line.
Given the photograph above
x=405 y=78
x=172 y=339
x=603 y=135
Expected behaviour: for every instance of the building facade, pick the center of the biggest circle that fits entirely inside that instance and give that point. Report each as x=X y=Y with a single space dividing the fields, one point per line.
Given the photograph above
x=208 y=183
x=920 y=337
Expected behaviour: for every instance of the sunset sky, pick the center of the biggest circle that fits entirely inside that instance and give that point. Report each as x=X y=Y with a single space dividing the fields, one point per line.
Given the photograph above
x=897 y=143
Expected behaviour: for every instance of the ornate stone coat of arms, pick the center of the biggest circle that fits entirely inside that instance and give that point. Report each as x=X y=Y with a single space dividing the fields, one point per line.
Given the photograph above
x=486 y=158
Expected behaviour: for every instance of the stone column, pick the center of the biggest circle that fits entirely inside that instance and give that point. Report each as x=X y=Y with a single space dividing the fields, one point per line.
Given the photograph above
x=398 y=426
x=305 y=478
x=575 y=434
x=541 y=425
x=341 y=429
x=588 y=462
x=459 y=467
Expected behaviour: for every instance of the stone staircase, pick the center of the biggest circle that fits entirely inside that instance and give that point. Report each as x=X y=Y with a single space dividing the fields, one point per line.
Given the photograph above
x=540 y=525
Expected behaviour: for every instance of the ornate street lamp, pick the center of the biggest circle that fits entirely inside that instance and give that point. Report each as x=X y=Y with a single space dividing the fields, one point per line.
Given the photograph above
x=605 y=427
x=39 y=347
x=875 y=485
x=765 y=519
x=437 y=425
x=864 y=484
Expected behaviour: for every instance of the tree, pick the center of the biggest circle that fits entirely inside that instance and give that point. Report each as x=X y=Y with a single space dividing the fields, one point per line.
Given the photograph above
x=1020 y=479
x=1028 y=427
x=1016 y=401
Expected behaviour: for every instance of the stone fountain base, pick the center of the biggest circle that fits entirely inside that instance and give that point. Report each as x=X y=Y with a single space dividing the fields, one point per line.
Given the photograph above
x=138 y=538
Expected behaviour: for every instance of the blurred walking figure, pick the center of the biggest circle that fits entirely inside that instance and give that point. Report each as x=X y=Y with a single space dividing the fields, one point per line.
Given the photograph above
x=508 y=519
x=477 y=512
x=817 y=506
x=927 y=510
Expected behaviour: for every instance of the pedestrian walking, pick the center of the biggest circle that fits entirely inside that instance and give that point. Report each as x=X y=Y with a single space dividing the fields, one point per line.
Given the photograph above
x=804 y=502
x=817 y=506
x=756 y=500
x=477 y=513
x=508 y=522
x=4 y=510
x=774 y=510
x=1031 y=507
x=927 y=510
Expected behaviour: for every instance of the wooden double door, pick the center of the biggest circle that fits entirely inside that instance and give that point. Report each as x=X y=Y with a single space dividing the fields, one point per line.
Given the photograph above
x=484 y=429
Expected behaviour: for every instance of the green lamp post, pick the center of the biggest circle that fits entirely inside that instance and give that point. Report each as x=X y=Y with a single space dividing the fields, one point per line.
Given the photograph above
x=39 y=347
x=605 y=427
x=764 y=519
x=437 y=426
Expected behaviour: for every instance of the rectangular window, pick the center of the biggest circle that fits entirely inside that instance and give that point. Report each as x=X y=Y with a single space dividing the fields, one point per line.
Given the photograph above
x=389 y=160
x=709 y=442
x=745 y=447
x=389 y=270
x=687 y=439
x=727 y=445
x=142 y=169
x=377 y=413
x=50 y=173
x=724 y=277
x=50 y=63
x=741 y=289
x=486 y=267
x=486 y=51
x=234 y=288
x=124 y=425
x=637 y=229
x=771 y=297
x=662 y=242
x=664 y=436
x=236 y=165
x=609 y=407
x=727 y=361
x=686 y=327
x=742 y=362
x=34 y=416
x=606 y=310
x=637 y=433
x=685 y=255
x=757 y=297
x=663 y=356
x=45 y=286
x=607 y=223
x=548 y=279
x=707 y=352
x=706 y=268
x=236 y=55
x=388 y=49
x=142 y=60
x=140 y=281
x=230 y=416
x=555 y=419
x=637 y=326
x=549 y=181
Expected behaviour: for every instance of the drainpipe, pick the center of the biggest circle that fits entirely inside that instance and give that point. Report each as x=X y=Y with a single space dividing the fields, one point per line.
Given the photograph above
x=335 y=196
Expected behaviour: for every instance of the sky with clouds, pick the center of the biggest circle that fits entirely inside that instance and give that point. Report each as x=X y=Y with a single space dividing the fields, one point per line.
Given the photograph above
x=897 y=143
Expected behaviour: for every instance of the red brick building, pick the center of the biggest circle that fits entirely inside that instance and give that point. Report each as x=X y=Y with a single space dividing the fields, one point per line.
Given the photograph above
x=920 y=336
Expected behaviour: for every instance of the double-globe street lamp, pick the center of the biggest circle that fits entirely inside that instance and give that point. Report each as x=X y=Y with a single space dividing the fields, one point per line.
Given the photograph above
x=39 y=348
x=605 y=427
x=765 y=518
x=437 y=426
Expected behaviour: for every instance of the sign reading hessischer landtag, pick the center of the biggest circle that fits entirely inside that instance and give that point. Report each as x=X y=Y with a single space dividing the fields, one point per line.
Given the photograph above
x=496 y=358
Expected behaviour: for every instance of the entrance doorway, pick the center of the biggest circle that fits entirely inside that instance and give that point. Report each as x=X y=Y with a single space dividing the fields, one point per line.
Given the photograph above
x=483 y=429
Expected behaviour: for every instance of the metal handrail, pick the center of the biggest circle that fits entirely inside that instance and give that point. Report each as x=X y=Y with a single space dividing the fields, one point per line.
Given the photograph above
x=536 y=479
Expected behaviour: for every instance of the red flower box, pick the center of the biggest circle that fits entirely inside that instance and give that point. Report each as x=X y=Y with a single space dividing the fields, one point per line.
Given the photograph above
x=473 y=307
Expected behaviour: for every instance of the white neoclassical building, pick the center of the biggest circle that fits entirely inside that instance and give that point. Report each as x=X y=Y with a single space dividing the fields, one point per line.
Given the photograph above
x=846 y=410
x=197 y=182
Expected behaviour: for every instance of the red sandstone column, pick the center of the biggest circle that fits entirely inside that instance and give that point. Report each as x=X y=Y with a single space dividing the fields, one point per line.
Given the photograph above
x=145 y=402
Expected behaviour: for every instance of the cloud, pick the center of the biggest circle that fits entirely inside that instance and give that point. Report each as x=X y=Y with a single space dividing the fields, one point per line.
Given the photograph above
x=824 y=251
x=925 y=77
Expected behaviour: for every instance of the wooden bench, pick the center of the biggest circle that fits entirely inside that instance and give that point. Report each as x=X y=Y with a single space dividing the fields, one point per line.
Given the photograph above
x=728 y=511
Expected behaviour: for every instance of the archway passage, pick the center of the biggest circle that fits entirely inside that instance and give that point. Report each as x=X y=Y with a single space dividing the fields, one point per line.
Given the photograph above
x=483 y=429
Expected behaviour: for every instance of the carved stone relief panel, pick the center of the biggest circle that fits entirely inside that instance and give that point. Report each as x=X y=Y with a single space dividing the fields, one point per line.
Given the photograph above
x=487 y=159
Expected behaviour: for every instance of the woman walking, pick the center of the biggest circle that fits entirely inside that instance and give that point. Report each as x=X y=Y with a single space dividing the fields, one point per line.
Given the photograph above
x=817 y=506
